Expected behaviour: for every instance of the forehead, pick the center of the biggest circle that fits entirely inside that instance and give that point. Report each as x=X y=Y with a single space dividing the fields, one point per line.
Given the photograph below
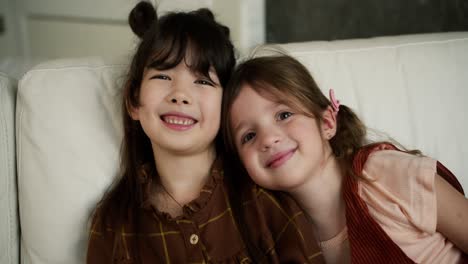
x=249 y=105
x=261 y=94
x=249 y=96
x=252 y=101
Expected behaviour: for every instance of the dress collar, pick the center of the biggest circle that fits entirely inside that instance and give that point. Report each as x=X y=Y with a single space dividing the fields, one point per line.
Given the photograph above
x=216 y=176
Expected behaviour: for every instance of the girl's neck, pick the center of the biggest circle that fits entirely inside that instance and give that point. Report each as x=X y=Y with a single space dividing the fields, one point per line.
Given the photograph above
x=183 y=176
x=321 y=198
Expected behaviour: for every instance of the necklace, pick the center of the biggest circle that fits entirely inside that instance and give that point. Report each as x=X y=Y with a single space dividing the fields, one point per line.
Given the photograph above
x=172 y=197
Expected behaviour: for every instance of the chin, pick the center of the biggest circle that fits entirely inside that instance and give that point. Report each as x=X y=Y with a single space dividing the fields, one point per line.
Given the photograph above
x=179 y=147
x=276 y=186
x=289 y=183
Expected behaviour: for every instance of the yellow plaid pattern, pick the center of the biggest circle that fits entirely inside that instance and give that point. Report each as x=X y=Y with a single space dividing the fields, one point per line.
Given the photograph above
x=207 y=232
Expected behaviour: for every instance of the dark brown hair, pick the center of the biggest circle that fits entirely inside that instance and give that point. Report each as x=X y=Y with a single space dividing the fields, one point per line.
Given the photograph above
x=165 y=42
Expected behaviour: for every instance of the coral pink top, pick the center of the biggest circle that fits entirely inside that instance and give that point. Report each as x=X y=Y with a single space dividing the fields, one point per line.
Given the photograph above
x=400 y=195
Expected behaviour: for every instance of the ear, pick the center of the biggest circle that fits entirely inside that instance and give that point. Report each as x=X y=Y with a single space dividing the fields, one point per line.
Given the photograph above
x=328 y=123
x=133 y=112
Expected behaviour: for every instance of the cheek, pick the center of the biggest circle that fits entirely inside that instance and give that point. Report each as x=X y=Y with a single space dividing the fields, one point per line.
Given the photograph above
x=151 y=98
x=248 y=160
x=211 y=103
x=306 y=130
x=255 y=172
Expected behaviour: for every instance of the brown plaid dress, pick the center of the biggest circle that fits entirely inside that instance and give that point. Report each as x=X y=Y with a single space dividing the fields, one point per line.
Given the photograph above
x=206 y=232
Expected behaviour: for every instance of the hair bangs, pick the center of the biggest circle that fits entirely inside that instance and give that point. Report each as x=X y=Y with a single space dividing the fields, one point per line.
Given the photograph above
x=280 y=94
x=178 y=42
x=169 y=50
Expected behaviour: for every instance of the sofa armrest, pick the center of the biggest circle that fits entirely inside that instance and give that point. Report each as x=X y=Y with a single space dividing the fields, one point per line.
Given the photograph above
x=9 y=227
x=68 y=140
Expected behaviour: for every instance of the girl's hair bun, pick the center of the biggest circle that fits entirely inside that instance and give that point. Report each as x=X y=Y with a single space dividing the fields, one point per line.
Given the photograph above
x=206 y=13
x=141 y=17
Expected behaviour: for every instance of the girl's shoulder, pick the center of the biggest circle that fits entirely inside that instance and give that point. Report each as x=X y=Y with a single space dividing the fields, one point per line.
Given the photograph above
x=400 y=187
x=393 y=163
x=108 y=220
x=101 y=222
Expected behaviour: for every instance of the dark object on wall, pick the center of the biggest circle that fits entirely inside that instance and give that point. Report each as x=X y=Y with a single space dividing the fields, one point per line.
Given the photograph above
x=305 y=20
x=2 y=25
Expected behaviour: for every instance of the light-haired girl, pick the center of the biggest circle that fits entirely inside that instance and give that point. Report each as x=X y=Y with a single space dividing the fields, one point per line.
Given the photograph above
x=368 y=203
x=172 y=203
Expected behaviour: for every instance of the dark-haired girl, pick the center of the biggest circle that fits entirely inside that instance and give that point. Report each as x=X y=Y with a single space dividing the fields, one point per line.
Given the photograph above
x=173 y=202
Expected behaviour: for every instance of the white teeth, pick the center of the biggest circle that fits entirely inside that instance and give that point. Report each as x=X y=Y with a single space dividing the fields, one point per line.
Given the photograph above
x=179 y=121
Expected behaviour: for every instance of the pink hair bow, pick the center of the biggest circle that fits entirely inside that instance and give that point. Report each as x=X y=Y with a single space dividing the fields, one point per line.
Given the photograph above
x=334 y=103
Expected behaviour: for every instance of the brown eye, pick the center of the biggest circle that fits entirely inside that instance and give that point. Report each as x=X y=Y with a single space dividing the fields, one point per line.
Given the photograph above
x=204 y=82
x=160 y=77
x=247 y=137
x=284 y=115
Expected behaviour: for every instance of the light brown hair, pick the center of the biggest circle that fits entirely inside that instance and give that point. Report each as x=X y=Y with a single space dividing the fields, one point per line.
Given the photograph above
x=286 y=80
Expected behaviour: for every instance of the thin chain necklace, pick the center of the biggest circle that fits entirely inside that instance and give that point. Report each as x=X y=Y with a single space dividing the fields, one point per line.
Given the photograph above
x=172 y=197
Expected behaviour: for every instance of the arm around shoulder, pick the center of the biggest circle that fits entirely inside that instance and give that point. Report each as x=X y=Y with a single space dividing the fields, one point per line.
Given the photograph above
x=287 y=234
x=452 y=213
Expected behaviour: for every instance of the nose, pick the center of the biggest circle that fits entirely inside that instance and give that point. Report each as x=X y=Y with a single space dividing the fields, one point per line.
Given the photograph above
x=179 y=95
x=269 y=139
x=179 y=99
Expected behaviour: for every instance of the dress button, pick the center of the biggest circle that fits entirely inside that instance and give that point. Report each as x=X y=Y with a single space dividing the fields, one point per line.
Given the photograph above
x=193 y=239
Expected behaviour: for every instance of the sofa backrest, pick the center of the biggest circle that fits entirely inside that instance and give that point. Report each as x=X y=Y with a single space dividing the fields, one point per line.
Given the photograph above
x=9 y=227
x=69 y=127
x=411 y=88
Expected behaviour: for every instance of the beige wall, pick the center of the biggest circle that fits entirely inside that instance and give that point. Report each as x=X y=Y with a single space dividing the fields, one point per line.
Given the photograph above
x=8 y=45
x=77 y=38
x=70 y=28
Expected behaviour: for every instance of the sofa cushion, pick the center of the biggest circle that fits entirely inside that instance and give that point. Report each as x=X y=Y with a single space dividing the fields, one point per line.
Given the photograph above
x=68 y=140
x=412 y=88
x=9 y=228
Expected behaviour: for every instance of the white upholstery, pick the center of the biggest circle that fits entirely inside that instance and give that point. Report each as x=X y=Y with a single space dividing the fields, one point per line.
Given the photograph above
x=69 y=130
x=15 y=67
x=68 y=139
x=9 y=228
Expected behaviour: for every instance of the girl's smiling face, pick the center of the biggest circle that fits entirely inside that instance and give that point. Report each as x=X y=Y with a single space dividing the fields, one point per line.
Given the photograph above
x=179 y=109
x=279 y=146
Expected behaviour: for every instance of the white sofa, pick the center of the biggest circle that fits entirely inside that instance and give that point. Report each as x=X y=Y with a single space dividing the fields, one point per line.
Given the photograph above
x=68 y=128
x=9 y=224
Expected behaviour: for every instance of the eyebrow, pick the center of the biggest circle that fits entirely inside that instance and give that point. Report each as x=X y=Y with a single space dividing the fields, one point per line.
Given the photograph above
x=212 y=70
x=209 y=77
x=274 y=106
x=238 y=127
x=154 y=68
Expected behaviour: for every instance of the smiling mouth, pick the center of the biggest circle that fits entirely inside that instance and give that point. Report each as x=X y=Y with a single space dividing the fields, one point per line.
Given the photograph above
x=280 y=158
x=176 y=120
